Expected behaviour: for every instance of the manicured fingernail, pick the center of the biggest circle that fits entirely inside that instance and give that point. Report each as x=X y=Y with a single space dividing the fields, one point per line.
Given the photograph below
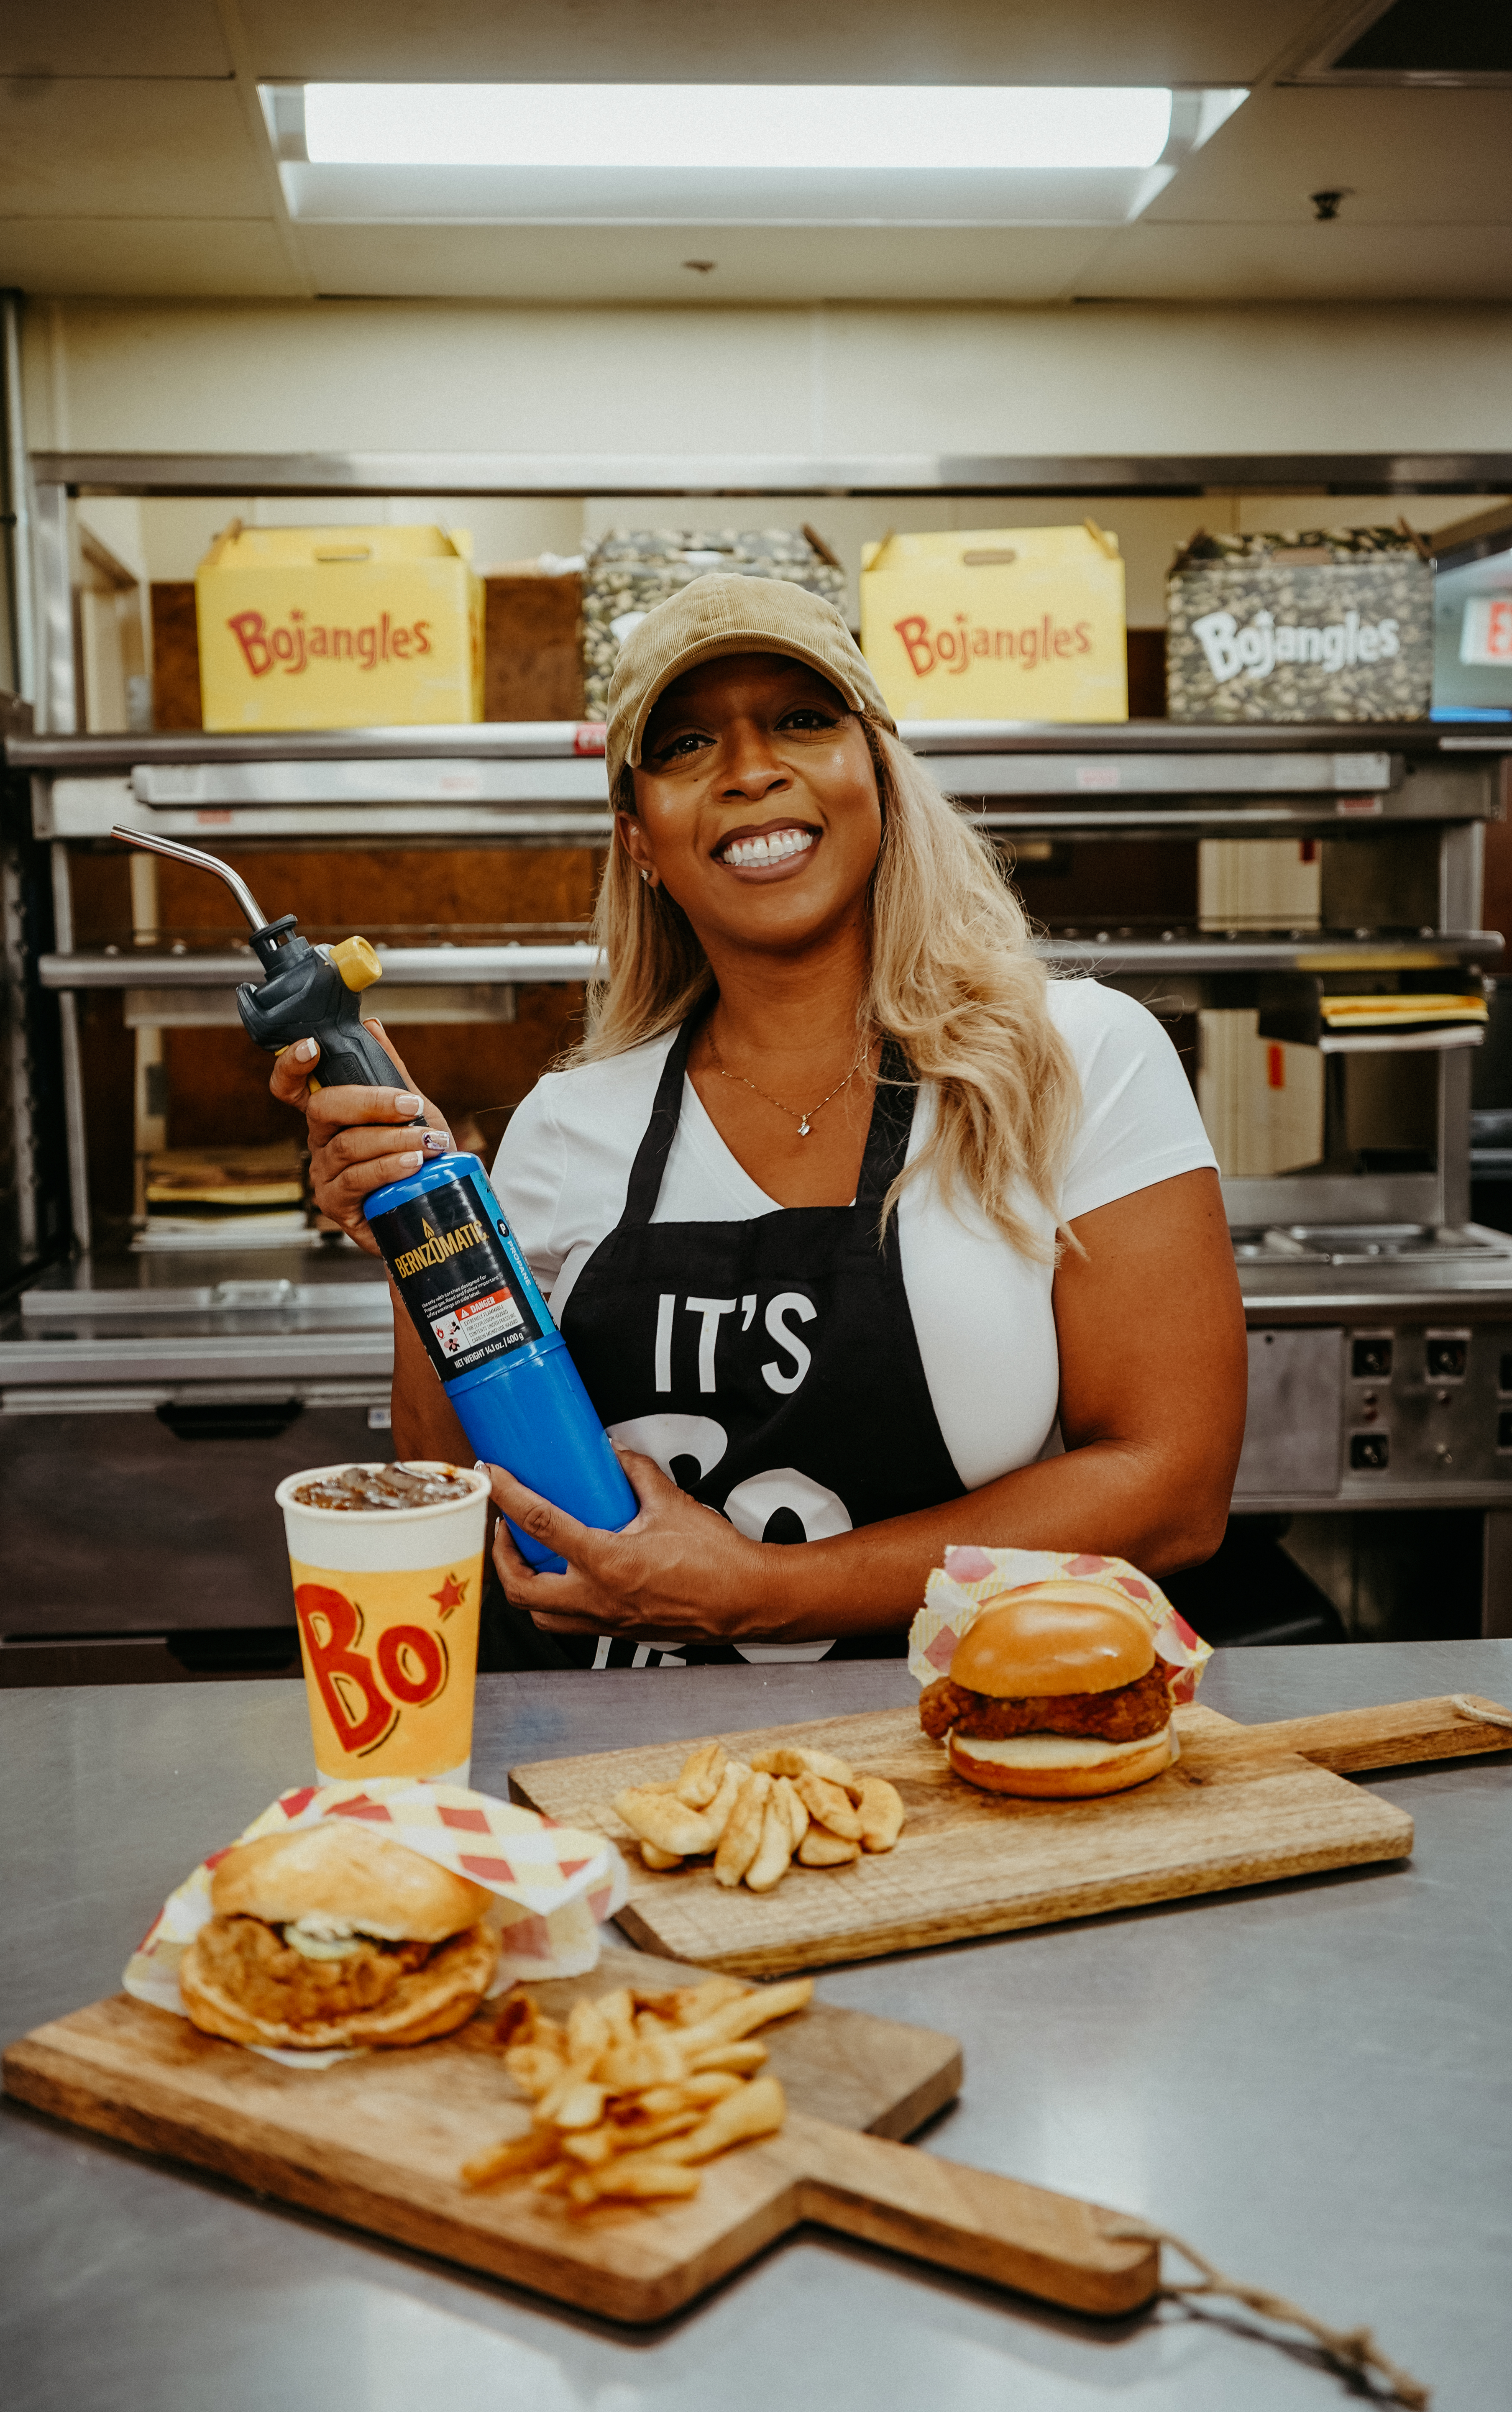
x=305 y=1050
x=436 y=1143
x=405 y=1104
x=412 y=1163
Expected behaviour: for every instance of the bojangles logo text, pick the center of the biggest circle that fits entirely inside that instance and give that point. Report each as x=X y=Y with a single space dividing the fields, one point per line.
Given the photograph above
x=293 y=648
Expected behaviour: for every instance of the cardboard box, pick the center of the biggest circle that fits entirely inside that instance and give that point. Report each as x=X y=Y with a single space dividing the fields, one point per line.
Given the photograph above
x=1324 y=623
x=344 y=627
x=998 y=624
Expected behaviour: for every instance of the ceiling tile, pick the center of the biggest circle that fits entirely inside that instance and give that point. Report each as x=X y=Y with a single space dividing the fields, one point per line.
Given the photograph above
x=151 y=256
x=94 y=148
x=1304 y=263
x=99 y=148
x=1429 y=157
x=113 y=38
x=771 y=41
x=596 y=263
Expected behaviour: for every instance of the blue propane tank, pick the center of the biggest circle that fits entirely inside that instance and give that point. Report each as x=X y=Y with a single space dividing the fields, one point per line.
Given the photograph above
x=489 y=1333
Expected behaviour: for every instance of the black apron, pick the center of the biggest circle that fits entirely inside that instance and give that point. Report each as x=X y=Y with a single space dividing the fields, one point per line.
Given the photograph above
x=769 y=1366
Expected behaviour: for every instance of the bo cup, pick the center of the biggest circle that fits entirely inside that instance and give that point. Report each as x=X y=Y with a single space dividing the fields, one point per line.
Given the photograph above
x=387 y=1601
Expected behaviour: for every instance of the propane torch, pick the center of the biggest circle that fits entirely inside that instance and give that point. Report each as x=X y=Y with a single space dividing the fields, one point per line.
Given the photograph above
x=451 y=1255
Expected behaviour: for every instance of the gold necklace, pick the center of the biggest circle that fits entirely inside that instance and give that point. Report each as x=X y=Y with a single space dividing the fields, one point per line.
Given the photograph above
x=804 y=1120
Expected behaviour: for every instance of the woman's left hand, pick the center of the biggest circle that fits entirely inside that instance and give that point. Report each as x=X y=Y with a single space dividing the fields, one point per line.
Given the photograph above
x=678 y=1572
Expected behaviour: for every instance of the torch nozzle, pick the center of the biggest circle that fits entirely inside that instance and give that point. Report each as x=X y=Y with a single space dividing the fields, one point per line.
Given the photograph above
x=201 y=861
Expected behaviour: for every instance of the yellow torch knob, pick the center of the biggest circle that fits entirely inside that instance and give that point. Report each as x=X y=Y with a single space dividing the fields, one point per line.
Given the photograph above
x=357 y=963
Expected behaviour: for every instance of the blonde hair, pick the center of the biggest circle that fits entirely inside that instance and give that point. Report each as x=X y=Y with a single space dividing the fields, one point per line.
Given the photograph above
x=953 y=980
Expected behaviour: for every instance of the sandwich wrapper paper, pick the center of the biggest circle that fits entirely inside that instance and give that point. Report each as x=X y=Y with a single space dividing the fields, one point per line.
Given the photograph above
x=553 y=1886
x=972 y=1578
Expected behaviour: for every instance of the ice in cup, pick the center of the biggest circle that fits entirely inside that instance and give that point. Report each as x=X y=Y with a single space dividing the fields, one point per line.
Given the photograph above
x=387 y=1563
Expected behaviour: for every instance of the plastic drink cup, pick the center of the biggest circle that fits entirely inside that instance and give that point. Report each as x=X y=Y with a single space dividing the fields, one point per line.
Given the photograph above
x=388 y=1604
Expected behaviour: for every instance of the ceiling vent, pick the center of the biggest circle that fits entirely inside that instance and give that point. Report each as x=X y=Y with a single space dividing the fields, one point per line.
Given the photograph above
x=1455 y=43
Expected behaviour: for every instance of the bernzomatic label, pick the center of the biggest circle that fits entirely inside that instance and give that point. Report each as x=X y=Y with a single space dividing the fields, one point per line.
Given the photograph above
x=455 y=1278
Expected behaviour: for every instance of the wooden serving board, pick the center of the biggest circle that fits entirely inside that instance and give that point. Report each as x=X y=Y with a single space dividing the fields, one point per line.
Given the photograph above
x=378 y=2141
x=1244 y=1806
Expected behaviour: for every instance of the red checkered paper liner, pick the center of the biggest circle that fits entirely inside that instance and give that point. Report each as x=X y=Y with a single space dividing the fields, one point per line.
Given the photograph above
x=970 y=1578
x=553 y=1884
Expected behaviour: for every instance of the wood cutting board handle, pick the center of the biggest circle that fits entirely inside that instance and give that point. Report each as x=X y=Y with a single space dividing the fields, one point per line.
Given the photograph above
x=1406 y=1733
x=968 y=2220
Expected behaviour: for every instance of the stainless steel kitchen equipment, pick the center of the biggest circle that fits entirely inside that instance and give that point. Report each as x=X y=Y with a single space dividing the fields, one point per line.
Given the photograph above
x=1380 y=1316
x=1381 y=1319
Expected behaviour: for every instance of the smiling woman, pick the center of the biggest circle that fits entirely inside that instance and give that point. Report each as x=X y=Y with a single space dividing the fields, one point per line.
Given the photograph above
x=863 y=1234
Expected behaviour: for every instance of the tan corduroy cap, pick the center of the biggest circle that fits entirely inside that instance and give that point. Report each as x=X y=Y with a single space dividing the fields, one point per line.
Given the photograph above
x=720 y=614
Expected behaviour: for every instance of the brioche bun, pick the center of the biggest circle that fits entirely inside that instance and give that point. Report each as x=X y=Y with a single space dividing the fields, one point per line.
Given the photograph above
x=1052 y=1638
x=1060 y=1767
x=344 y=1869
x=433 y=2001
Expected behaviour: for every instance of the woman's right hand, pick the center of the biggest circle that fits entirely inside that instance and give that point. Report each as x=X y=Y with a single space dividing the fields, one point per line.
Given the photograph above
x=354 y=1146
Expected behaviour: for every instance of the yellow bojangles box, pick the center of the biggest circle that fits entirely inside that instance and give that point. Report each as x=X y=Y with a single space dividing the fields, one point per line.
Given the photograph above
x=1000 y=623
x=344 y=627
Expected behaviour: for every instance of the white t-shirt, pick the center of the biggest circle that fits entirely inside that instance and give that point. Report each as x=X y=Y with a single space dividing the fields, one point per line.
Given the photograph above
x=981 y=1311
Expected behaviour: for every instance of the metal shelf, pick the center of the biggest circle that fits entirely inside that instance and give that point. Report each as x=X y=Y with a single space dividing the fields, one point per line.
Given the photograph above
x=499 y=740
x=413 y=967
x=526 y=965
x=745 y=476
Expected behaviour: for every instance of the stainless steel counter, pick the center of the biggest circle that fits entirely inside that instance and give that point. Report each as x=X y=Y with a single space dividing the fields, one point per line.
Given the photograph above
x=1309 y=2080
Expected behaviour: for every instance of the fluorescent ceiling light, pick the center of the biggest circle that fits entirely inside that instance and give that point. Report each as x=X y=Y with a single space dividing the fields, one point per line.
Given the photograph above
x=706 y=155
x=765 y=128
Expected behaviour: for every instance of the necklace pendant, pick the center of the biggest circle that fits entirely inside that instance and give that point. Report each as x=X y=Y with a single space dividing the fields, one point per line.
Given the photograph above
x=804 y=1128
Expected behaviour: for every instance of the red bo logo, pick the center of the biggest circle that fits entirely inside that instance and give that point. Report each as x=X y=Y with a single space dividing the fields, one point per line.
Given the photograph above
x=412 y=1663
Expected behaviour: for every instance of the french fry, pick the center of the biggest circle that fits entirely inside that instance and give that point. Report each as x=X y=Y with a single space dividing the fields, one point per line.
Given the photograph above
x=716 y=1806
x=881 y=1810
x=756 y=2008
x=582 y=2106
x=639 y=2089
x=737 y=2059
x=659 y=2101
x=663 y=2001
x=758 y=2109
x=641 y=2133
x=821 y=1849
x=589 y=2032
x=637 y=2177
x=618 y=2010
x=793 y=1806
x=789 y=1760
x=662 y=1818
x=655 y=2057
x=775 y=1855
x=514 y=2159
x=698 y=2000
x=533 y=2066
x=591 y=2145
x=700 y=1778
x=829 y=1804
x=516 y=2020
x=717 y=1813
x=741 y=1838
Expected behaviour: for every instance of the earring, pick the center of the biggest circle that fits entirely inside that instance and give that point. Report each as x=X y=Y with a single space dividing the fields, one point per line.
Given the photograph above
x=644 y=873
